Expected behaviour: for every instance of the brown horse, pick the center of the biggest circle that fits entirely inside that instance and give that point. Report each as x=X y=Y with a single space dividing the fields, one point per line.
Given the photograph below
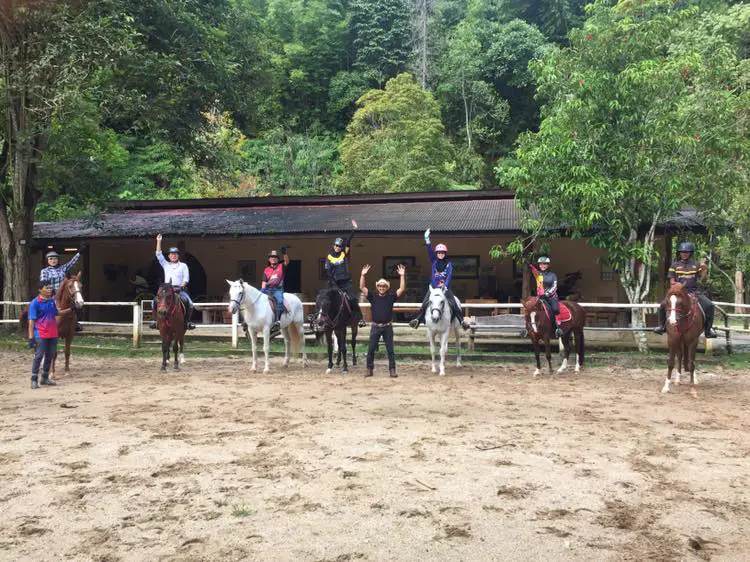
x=170 y=314
x=68 y=297
x=684 y=326
x=539 y=328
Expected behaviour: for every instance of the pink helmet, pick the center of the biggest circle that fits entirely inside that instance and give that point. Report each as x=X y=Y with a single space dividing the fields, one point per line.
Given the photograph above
x=441 y=248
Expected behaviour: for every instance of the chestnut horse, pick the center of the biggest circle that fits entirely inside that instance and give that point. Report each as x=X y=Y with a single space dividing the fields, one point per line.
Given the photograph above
x=68 y=296
x=684 y=326
x=170 y=319
x=539 y=328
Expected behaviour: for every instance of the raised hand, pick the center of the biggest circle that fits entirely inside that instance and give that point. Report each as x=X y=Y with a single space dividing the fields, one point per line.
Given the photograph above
x=365 y=269
x=158 y=237
x=427 y=236
x=401 y=269
x=354 y=224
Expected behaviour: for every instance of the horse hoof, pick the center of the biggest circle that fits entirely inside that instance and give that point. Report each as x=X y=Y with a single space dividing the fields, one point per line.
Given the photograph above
x=537 y=373
x=665 y=388
x=329 y=371
x=181 y=359
x=344 y=372
x=266 y=371
x=163 y=367
x=434 y=370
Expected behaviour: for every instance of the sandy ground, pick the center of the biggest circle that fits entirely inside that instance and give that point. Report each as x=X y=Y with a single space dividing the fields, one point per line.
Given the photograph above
x=120 y=462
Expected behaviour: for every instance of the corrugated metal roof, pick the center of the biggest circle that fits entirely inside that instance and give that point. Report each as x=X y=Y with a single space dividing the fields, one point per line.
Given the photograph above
x=484 y=214
x=446 y=216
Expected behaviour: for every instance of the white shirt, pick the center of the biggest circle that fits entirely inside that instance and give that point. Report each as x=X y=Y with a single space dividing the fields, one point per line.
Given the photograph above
x=175 y=273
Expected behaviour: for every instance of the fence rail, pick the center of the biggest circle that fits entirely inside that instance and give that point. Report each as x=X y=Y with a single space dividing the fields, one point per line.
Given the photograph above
x=139 y=309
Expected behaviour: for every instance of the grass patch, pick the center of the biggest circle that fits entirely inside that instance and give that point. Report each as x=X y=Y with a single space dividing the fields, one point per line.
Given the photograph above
x=242 y=511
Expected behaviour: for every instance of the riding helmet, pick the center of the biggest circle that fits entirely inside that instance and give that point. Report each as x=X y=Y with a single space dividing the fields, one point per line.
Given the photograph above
x=686 y=247
x=339 y=242
x=52 y=254
x=543 y=259
x=174 y=250
x=441 y=248
x=273 y=254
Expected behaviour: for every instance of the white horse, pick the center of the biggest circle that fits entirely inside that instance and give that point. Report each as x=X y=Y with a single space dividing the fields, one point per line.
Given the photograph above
x=258 y=316
x=438 y=322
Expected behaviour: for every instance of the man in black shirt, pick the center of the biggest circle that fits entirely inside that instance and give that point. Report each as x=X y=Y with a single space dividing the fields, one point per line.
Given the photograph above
x=382 y=314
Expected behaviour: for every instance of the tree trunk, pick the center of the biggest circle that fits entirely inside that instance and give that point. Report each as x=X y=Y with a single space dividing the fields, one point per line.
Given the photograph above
x=739 y=295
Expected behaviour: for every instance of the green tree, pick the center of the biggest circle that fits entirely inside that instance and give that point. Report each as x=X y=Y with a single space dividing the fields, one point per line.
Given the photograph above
x=395 y=142
x=641 y=119
x=48 y=51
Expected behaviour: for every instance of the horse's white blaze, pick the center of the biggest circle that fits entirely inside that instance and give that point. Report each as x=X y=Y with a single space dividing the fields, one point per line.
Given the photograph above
x=673 y=311
x=563 y=366
x=665 y=388
x=79 y=297
x=533 y=321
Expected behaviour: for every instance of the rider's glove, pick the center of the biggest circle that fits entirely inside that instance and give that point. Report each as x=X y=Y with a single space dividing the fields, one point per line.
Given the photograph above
x=427 y=236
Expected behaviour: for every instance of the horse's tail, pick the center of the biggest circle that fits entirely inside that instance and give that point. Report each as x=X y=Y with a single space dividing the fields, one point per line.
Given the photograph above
x=296 y=333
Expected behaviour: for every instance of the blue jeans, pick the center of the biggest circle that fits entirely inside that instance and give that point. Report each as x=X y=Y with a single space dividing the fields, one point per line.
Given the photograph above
x=45 y=349
x=277 y=294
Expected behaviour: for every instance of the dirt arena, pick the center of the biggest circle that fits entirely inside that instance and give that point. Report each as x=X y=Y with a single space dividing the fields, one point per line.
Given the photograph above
x=120 y=462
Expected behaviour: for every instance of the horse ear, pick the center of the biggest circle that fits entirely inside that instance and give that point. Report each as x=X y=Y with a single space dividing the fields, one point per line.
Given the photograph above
x=241 y=282
x=230 y=283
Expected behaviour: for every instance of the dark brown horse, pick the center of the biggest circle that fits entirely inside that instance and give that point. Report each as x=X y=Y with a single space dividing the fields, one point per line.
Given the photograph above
x=67 y=298
x=539 y=328
x=170 y=319
x=684 y=326
x=333 y=313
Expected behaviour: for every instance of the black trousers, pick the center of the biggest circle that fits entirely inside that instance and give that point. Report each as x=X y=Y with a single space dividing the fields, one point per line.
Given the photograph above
x=45 y=351
x=376 y=332
x=553 y=303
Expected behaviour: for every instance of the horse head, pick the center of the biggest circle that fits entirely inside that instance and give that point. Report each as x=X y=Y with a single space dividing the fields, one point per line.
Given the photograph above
x=236 y=295
x=323 y=306
x=70 y=292
x=165 y=299
x=437 y=304
x=533 y=310
x=679 y=303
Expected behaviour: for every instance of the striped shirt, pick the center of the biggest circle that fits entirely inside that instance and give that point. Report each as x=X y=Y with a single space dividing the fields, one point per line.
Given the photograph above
x=685 y=272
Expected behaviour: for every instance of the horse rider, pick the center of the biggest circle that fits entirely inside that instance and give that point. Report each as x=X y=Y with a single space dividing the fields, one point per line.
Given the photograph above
x=273 y=281
x=442 y=273
x=178 y=275
x=54 y=274
x=546 y=289
x=337 y=268
x=686 y=272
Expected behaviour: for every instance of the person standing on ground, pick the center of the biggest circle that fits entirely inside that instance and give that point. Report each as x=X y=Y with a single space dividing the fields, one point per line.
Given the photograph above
x=382 y=317
x=43 y=333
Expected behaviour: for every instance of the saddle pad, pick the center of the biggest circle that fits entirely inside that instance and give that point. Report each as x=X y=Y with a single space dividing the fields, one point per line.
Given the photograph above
x=564 y=315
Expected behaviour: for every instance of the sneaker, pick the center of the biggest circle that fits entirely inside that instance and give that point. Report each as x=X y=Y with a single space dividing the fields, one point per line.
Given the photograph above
x=558 y=333
x=47 y=382
x=524 y=333
x=34 y=384
x=414 y=323
x=191 y=326
x=361 y=323
x=465 y=325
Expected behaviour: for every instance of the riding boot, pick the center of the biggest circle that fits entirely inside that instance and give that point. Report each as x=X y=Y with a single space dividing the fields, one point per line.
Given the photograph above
x=662 y=327
x=558 y=331
x=709 y=326
x=188 y=315
x=420 y=317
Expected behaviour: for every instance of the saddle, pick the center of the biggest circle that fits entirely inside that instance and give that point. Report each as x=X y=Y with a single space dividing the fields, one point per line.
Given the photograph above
x=273 y=306
x=564 y=316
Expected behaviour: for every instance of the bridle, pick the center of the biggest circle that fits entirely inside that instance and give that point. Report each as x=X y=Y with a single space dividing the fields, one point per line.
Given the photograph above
x=71 y=293
x=440 y=309
x=325 y=319
x=241 y=298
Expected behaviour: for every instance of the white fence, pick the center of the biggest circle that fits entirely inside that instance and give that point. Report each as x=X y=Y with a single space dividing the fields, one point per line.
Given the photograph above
x=233 y=329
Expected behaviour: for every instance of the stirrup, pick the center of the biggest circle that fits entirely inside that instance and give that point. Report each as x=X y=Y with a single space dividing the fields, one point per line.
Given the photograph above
x=152 y=325
x=524 y=333
x=711 y=333
x=361 y=323
x=190 y=326
x=414 y=323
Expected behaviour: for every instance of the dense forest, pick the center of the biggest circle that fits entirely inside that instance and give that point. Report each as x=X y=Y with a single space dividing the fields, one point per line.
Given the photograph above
x=615 y=112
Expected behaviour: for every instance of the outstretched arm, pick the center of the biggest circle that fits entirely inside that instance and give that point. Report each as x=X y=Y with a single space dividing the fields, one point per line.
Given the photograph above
x=159 y=255
x=362 y=280
x=68 y=266
x=402 y=286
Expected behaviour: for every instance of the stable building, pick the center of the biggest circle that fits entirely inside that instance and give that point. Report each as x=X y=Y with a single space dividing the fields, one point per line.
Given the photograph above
x=230 y=238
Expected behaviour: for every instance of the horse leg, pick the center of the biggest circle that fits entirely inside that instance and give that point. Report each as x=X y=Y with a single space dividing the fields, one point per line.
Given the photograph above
x=355 y=329
x=164 y=352
x=537 y=353
x=285 y=335
x=678 y=361
x=342 y=349
x=548 y=353
x=266 y=347
x=329 y=341
x=175 y=347
x=691 y=367
x=566 y=353
x=254 y=346
x=443 y=349
x=458 y=347
x=182 y=348
x=431 y=338
x=579 y=349
x=68 y=342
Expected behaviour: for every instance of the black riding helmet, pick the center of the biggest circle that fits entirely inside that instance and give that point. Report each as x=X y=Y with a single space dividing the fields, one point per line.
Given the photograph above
x=686 y=247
